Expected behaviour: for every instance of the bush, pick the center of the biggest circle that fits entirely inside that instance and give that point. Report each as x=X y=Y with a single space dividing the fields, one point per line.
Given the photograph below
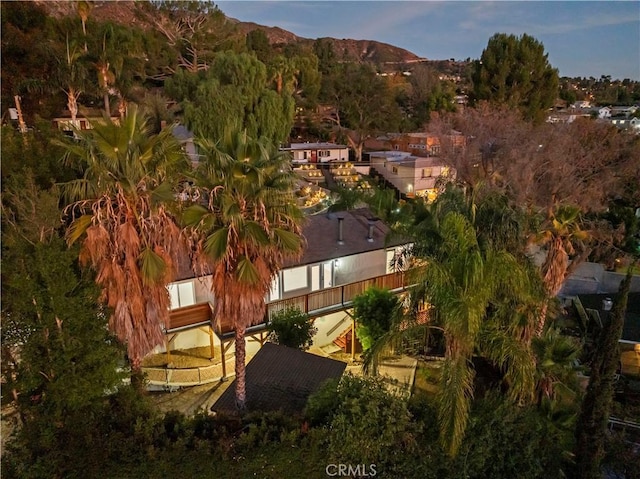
x=374 y=310
x=365 y=423
x=293 y=328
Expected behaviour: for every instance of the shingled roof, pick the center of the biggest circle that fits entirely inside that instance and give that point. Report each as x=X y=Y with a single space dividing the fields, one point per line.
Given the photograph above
x=281 y=378
x=321 y=233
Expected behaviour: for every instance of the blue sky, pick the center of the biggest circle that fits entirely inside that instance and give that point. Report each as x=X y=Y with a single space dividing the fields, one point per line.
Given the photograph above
x=582 y=38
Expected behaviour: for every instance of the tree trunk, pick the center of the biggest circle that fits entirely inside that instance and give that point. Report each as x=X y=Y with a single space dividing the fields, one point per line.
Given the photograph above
x=241 y=389
x=553 y=274
x=107 y=107
x=596 y=406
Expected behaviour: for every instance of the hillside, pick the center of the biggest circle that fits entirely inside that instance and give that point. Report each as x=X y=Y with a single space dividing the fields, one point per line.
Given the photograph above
x=129 y=12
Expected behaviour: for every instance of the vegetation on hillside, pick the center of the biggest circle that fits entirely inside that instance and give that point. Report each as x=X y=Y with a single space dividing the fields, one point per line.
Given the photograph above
x=78 y=317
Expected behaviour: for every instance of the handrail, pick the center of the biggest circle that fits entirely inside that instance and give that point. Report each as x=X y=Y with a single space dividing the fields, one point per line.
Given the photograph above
x=314 y=303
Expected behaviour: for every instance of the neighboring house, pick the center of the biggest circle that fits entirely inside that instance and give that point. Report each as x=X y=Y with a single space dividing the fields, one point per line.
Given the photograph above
x=186 y=139
x=623 y=110
x=594 y=310
x=317 y=152
x=345 y=253
x=410 y=175
x=625 y=123
x=422 y=144
x=581 y=104
x=83 y=121
x=565 y=117
x=604 y=112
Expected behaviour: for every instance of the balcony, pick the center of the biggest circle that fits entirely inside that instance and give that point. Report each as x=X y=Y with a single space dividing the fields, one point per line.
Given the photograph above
x=314 y=304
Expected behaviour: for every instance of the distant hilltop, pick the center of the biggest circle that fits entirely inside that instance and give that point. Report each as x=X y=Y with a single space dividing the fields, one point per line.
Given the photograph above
x=126 y=12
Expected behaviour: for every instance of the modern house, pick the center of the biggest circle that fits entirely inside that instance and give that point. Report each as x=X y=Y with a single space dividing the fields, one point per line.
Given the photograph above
x=422 y=144
x=83 y=121
x=345 y=254
x=317 y=152
x=410 y=175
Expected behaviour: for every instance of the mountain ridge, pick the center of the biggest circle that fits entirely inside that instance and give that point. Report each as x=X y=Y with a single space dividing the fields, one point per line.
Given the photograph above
x=126 y=12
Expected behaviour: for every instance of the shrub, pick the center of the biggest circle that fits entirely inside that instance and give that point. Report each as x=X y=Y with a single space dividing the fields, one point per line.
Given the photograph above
x=366 y=424
x=293 y=328
x=374 y=310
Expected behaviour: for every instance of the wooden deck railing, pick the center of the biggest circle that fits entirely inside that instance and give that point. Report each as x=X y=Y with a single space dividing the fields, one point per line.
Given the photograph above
x=336 y=298
x=324 y=301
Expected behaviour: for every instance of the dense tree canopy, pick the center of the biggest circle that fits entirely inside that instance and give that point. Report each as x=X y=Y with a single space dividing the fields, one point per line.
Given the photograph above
x=235 y=91
x=515 y=71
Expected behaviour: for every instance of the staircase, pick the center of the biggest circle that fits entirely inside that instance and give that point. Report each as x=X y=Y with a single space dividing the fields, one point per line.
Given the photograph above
x=344 y=341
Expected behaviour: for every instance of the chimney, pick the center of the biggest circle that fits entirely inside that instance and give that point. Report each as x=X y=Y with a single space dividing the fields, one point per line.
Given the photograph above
x=340 y=235
x=372 y=222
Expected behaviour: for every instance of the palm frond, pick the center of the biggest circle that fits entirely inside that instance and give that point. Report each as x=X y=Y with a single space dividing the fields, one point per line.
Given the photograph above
x=152 y=267
x=454 y=402
x=246 y=272
x=216 y=244
x=77 y=228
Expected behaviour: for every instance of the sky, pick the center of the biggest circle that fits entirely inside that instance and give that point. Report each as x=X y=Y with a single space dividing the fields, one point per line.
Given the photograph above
x=582 y=38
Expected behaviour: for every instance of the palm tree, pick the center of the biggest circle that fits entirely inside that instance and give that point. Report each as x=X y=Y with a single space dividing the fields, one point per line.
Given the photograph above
x=481 y=297
x=556 y=356
x=561 y=233
x=119 y=209
x=246 y=227
x=72 y=77
x=462 y=282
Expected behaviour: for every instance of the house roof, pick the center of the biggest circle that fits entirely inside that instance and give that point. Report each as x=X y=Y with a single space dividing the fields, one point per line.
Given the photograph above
x=419 y=161
x=321 y=233
x=281 y=378
x=631 y=329
x=313 y=146
x=182 y=133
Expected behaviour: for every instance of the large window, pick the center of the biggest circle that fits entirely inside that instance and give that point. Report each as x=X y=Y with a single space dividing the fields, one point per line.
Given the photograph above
x=182 y=294
x=294 y=278
x=324 y=153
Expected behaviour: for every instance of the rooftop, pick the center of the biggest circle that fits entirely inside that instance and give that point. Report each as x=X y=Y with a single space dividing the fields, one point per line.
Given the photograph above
x=281 y=378
x=321 y=233
x=631 y=329
x=312 y=146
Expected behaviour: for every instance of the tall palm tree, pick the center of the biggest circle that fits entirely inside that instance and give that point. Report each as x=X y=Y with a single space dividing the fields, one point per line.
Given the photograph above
x=462 y=282
x=561 y=234
x=247 y=225
x=119 y=210
x=483 y=300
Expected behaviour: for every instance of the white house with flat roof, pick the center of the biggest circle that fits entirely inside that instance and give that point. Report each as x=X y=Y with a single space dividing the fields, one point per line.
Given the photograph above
x=317 y=152
x=410 y=175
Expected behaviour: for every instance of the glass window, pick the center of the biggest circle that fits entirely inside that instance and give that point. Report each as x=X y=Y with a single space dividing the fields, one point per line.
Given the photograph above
x=294 y=278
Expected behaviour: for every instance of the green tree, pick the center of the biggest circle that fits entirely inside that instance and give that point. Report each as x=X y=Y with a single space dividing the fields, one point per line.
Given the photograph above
x=293 y=328
x=483 y=301
x=235 y=92
x=248 y=225
x=365 y=104
x=515 y=71
x=556 y=356
x=58 y=358
x=119 y=208
x=374 y=311
x=592 y=423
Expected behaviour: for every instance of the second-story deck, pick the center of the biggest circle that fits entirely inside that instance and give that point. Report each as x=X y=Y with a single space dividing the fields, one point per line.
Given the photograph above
x=317 y=303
